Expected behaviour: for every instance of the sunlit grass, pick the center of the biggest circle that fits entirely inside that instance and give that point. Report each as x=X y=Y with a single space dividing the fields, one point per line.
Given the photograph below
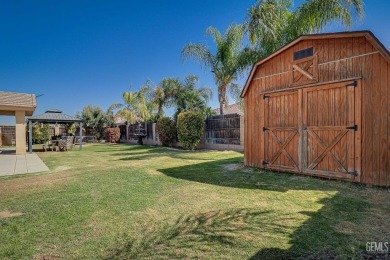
x=120 y=201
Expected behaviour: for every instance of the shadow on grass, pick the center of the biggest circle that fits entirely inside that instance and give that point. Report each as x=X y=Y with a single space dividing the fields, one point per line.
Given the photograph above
x=145 y=153
x=332 y=232
x=329 y=233
x=195 y=232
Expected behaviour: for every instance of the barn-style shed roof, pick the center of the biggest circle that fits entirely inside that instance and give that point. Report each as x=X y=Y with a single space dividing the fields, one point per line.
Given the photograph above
x=367 y=34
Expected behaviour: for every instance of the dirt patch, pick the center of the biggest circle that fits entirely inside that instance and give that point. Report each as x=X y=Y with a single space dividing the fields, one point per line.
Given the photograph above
x=62 y=168
x=17 y=186
x=154 y=172
x=9 y=214
x=231 y=167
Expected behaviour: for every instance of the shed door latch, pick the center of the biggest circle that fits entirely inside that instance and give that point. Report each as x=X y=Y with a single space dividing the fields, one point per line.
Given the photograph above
x=353 y=84
x=354 y=127
x=354 y=173
x=265 y=162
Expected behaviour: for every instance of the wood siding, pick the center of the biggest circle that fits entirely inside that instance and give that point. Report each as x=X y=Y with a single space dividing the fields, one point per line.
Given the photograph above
x=338 y=59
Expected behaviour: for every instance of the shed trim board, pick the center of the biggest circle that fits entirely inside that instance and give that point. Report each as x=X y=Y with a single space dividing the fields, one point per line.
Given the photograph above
x=310 y=85
x=325 y=115
x=320 y=64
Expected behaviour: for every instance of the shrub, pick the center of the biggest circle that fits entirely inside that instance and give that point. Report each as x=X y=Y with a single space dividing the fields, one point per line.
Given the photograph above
x=71 y=129
x=113 y=134
x=40 y=133
x=167 y=132
x=190 y=126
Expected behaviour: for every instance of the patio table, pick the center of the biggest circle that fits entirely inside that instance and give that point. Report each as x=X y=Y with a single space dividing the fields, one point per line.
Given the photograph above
x=56 y=143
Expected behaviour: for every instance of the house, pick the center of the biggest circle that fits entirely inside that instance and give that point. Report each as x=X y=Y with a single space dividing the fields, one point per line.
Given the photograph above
x=320 y=106
x=19 y=105
x=235 y=108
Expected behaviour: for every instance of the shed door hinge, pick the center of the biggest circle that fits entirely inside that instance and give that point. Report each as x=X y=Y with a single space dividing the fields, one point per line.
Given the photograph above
x=265 y=129
x=265 y=97
x=354 y=173
x=265 y=162
x=353 y=84
x=354 y=127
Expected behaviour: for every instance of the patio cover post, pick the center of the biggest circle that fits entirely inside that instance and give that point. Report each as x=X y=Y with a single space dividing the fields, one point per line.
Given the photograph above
x=29 y=136
x=20 y=135
x=81 y=136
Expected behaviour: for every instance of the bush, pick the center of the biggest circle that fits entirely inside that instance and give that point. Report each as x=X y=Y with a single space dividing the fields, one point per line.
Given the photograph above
x=113 y=134
x=190 y=126
x=71 y=129
x=40 y=133
x=167 y=132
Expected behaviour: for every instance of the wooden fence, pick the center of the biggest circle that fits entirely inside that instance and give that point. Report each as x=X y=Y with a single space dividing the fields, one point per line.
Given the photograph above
x=224 y=132
x=223 y=129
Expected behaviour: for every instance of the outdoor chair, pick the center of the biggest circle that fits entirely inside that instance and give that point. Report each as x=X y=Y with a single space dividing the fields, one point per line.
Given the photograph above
x=48 y=145
x=66 y=143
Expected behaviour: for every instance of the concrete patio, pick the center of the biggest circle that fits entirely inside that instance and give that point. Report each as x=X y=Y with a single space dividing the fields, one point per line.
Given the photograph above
x=12 y=164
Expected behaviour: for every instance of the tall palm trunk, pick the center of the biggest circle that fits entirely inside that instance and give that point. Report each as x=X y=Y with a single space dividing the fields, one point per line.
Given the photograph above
x=160 y=110
x=221 y=108
x=222 y=98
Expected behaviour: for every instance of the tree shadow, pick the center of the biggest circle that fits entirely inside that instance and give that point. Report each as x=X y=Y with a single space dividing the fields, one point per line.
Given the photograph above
x=332 y=232
x=218 y=172
x=329 y=233
x=194 y=232
x=144 y=153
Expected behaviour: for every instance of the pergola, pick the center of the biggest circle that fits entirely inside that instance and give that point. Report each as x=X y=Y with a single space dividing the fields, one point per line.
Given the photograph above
x=18 y=105
x=53 y=117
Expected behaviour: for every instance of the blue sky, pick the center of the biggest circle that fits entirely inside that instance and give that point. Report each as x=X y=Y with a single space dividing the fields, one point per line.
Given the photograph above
x=89 y=52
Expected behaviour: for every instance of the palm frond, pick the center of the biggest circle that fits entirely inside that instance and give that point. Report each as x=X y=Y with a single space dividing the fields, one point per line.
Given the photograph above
x=314 y=15
x=200 y=53
x=215 y=34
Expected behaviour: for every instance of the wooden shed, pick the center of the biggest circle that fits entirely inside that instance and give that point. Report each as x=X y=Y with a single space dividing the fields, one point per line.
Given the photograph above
x=320 y=106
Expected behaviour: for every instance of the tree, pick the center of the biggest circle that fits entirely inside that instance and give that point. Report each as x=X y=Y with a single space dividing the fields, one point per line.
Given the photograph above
x=93 y=117
x=191 y=98
x=138 y=105
x=164 y=94
x=272 y=24
x=109 y=116
x=226 y=63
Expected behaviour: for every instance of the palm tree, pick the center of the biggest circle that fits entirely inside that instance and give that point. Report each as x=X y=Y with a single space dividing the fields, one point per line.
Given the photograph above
x=164 y=94
x=226 y=63
x=109 y=116
x=191 y=98
x=272 y=23
x=137 y=105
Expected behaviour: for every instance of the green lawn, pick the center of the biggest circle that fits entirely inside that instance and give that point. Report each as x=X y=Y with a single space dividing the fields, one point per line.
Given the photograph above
x=120 y=201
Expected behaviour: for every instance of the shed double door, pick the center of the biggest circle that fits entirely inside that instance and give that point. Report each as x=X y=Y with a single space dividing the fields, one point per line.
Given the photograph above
x=281 y=131
x=312 y=130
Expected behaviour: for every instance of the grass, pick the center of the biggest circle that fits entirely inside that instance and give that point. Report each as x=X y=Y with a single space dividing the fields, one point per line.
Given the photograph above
x=120 y=201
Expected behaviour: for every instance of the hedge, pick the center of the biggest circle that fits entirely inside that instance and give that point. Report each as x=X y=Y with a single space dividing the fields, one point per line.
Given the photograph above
x=167 y=132
x=190 y=126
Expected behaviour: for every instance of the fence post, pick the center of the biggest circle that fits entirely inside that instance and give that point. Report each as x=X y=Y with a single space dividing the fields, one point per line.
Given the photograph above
x=242 y=129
